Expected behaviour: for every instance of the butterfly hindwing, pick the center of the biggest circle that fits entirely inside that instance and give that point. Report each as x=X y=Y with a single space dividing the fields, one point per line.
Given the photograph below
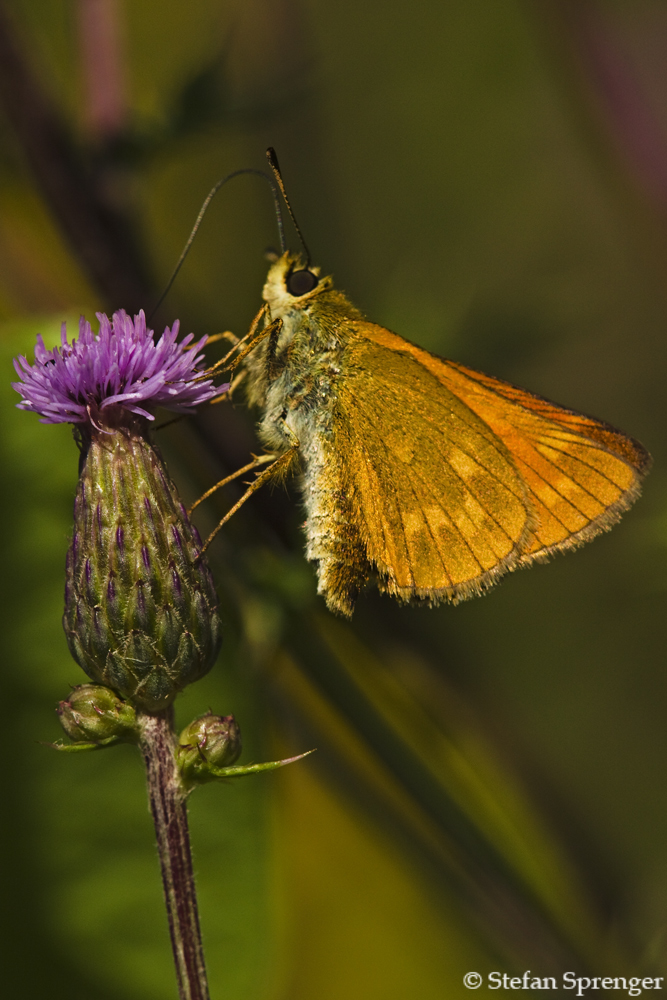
x=581 y=473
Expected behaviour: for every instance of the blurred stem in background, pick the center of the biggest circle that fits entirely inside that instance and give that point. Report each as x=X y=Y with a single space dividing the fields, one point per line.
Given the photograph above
x=73 y=184
x=619 y=56
x=106 y=110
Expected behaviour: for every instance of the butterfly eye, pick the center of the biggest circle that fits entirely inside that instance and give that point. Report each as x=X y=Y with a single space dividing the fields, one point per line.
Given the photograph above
x=301 y=282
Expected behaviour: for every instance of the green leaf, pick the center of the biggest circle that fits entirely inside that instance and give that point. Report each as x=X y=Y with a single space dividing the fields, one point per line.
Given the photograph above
x=82 y=747
x=242 y=770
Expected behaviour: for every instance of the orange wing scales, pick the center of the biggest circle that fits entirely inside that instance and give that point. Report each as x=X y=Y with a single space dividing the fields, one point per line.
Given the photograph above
x=440 y=507
x=581 y=474
x=483 y=478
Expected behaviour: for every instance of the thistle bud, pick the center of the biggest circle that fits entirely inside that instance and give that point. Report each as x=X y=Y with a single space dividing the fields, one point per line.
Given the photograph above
x=141 y=613
x=95 y=714
x=207 y=744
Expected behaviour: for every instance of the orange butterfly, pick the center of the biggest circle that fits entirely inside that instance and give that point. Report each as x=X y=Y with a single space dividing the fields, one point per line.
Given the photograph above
x=430 y=477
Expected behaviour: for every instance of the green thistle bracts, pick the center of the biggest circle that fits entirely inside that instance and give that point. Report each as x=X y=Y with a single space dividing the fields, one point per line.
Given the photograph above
x=141 y=612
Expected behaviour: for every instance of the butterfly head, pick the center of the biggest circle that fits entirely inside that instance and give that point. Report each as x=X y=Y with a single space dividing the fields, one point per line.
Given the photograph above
x=290 y=284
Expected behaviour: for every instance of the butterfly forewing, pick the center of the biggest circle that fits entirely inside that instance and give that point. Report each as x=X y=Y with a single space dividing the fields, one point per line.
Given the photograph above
x=440 y=506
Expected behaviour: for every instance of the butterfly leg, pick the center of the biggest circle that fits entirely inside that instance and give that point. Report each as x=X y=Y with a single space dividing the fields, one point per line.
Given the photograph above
x=236 y=381
x=273 y=363
x=280 y=466
x=228 y=395
x=215 y=337
x=272 y=331
x=251 y=336
x=289 y=434
x=256 y=460
x=227 y=335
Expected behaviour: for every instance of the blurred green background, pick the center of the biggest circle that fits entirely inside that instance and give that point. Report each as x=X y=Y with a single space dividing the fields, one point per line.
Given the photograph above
x=489 y=180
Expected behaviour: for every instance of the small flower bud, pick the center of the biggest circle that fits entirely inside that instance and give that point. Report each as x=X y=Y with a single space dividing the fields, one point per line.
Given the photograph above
x=141 y=612
x=95 y=714
x=208 y=743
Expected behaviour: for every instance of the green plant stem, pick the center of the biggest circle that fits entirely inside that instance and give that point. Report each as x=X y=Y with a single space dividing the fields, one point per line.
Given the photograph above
x=167 y=799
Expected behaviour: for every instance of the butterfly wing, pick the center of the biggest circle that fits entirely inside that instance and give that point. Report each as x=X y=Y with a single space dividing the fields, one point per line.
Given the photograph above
x=578 y=474
x=432 y=494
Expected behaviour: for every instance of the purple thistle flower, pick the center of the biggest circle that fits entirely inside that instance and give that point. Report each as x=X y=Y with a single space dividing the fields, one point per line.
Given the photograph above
x=121 y=366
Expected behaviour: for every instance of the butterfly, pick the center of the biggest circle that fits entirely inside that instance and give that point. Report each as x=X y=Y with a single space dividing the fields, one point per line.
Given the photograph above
x=429 y=477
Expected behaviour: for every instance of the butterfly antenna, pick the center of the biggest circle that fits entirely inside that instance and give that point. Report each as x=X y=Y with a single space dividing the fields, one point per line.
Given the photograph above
x=275 y=167
x=202 y=212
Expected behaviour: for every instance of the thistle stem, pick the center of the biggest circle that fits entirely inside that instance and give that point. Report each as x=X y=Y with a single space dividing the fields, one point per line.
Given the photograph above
x=167 y=800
